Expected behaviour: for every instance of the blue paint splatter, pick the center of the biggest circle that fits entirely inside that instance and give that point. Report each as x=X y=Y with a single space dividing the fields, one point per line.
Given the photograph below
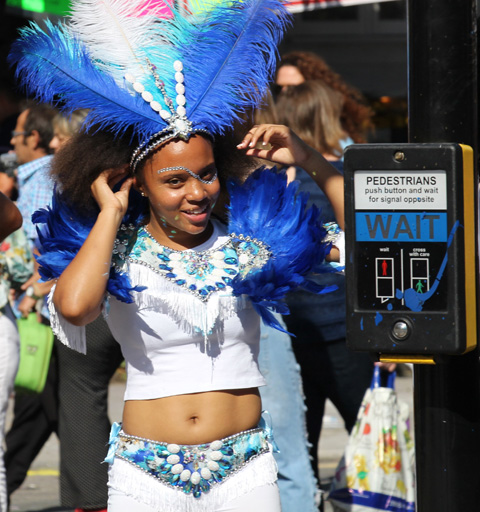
x=414 y=300
x=389 y=307
x=378 y=318
x=361 y=323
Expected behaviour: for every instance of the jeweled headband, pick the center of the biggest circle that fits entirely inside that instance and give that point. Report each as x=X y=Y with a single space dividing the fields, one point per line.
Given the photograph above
x=156 y=69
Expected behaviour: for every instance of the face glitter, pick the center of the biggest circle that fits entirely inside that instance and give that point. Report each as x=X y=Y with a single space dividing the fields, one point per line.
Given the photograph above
x=192 y=174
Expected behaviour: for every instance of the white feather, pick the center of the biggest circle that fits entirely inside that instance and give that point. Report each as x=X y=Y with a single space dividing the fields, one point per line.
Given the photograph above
x=118 y=38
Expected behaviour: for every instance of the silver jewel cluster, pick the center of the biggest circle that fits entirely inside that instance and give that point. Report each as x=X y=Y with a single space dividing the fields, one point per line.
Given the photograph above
x=192 y=174
x=120 y=244
x=252 y=253
x=333 y=232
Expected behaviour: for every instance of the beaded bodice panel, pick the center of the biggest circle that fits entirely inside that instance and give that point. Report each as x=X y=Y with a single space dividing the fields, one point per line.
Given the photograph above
x=199 y=272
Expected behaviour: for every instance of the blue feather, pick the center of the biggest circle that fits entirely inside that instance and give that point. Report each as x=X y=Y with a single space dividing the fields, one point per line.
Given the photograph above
x=266 y=209
x=62 y=232
x=238 y=45
x=56 y=68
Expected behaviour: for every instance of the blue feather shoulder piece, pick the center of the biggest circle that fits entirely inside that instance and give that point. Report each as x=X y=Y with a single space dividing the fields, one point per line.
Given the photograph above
x=266 y=209
x=62 y=232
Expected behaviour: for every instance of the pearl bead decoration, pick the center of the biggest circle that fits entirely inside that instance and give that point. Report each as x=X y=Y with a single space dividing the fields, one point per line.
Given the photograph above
x=185 y=475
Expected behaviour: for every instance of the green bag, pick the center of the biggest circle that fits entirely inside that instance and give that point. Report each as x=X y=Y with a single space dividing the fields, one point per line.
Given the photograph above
x=36 y=343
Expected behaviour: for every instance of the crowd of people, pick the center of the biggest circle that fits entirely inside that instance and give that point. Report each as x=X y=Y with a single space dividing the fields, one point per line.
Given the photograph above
x=148 y=272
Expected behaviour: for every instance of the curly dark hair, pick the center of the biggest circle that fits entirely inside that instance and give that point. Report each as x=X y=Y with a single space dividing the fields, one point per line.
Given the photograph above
x=86 y=155
x=356 y=115
x=82 y=159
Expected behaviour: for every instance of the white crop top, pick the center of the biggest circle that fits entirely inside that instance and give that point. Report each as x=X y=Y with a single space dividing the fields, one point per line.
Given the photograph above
x=186 y=332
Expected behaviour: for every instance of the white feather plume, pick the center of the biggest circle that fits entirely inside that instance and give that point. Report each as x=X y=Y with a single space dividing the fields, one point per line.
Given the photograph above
x=118 y=34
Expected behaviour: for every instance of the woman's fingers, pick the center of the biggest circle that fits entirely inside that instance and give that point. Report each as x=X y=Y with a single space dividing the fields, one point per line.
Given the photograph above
x=114 y=176
x=256 y=137
x=127 y=185
x=265 y=137
x=106 y=181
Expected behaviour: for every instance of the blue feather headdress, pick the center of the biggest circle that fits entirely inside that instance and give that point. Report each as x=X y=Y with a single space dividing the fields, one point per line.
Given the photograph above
x=146 y=65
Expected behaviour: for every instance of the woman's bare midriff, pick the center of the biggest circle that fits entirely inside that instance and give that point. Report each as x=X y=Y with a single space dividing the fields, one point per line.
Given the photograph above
x=196 y=418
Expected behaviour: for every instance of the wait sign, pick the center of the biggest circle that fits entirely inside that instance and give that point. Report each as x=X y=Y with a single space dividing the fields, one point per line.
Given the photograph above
x=410 y=250
x=401 y=227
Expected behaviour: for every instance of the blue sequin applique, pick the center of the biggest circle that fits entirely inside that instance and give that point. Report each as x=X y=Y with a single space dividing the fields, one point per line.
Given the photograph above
x=199 y=272
x=192 y=469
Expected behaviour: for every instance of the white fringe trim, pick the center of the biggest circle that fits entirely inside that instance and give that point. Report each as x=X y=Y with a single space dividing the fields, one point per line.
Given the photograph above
x=72 y=336
x=191 y=314
x=144 y=488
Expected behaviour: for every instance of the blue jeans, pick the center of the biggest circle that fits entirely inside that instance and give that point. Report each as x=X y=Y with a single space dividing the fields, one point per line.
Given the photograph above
x=282 y=397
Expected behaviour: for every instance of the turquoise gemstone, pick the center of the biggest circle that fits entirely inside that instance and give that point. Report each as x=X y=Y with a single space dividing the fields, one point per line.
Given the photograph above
x=230 y=271
x=224 y=464
x=227 y=450
x=227 y=280
x=217 y=476
x=163 y=257
x=180 y=281
x=164 y=267
x=220 y=286
x=231 y=261
x=230 y=253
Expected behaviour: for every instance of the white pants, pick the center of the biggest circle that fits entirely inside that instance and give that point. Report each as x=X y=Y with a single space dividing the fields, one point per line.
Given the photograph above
x=261 y=499
x=9 y=357
x=252 y=489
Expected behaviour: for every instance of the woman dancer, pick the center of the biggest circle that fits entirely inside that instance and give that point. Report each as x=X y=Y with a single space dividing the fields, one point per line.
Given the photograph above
x=182 y=296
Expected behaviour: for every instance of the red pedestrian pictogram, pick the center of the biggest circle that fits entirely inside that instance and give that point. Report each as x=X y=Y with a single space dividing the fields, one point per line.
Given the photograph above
x=384 y=268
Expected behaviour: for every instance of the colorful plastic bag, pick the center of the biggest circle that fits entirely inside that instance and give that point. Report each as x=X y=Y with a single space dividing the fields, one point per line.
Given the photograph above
x=36 y=344
x=377 y=469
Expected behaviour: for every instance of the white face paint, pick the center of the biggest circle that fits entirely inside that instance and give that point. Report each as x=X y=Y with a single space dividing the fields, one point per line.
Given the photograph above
x=192 y=174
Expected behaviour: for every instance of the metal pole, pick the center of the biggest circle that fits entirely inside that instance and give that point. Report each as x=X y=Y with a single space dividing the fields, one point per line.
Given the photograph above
x=443 y=107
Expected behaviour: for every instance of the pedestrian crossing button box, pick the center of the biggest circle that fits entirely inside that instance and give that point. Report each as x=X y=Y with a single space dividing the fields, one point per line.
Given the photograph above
x=410 y=244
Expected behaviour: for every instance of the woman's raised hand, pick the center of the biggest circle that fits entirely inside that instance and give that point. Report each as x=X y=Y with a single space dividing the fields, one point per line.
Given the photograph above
x=103 y=193
x=276 y=143
x=280 y=145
